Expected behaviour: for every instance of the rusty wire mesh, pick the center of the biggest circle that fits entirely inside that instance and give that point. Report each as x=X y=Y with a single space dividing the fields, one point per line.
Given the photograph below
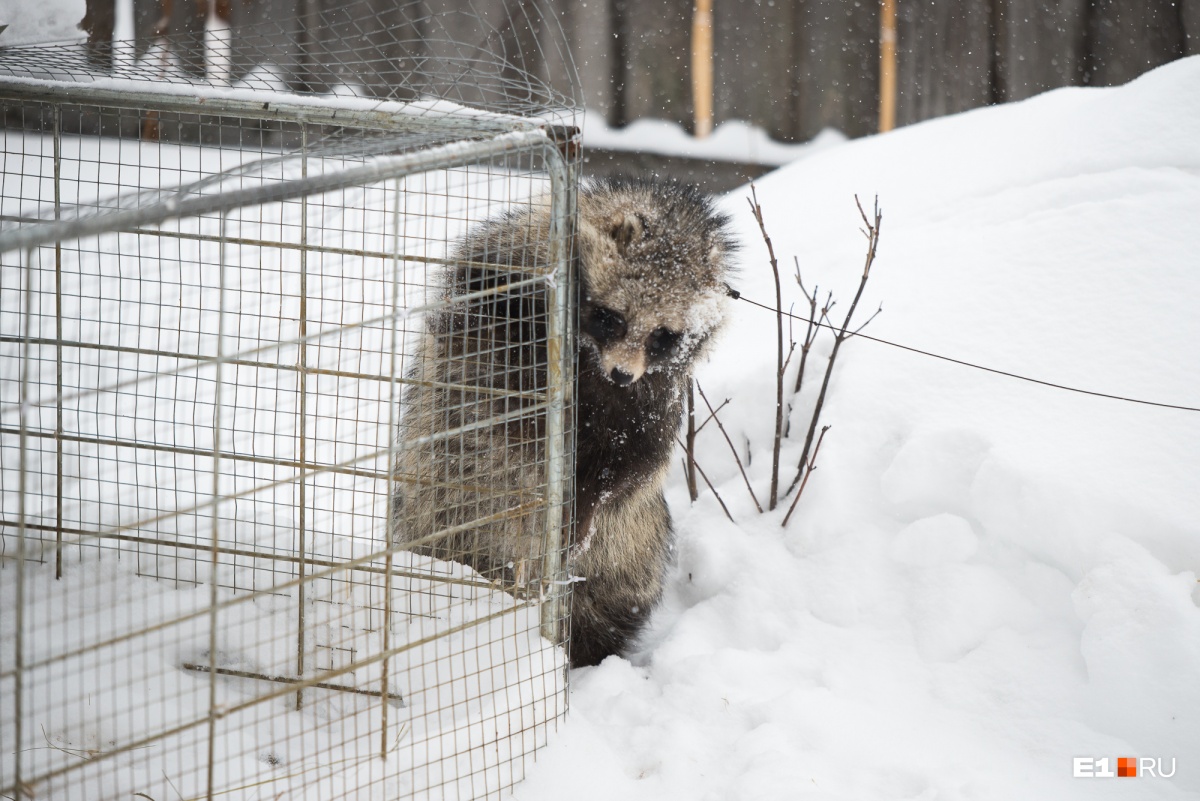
x=209 y=317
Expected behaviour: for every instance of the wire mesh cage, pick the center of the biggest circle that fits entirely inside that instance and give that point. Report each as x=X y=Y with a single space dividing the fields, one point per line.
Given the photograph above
x=215 y=314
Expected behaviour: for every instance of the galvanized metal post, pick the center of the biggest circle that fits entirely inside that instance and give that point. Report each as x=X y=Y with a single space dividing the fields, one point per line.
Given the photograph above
x=58 y=351
x=393 y=402
x=559 y=377
x=22 y=510
x=215 y=532
x=302 y=377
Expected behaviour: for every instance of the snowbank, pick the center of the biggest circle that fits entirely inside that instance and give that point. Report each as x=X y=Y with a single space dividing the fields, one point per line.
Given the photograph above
x=987 y=578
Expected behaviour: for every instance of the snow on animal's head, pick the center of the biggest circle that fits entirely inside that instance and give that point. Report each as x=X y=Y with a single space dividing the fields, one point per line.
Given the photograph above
x=654 y=258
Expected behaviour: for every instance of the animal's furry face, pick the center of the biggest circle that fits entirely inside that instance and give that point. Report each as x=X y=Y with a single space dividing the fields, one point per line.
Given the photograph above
x=654 y=259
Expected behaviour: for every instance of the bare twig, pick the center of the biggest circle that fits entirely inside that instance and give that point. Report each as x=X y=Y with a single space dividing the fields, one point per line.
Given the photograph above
x=722 y=405
x=788 y=360
x=708 y=484
x=868 y=322
x=810 y=335
x=732 y=449
x=779 y=363
x=689 y=447
x=872 y=234
x=812 y=465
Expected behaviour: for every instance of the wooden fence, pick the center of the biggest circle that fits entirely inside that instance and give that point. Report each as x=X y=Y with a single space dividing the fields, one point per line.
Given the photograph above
x=790 y=66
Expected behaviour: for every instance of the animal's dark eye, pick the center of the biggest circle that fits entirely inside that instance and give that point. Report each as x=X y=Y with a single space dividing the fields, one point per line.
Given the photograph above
x=604 y=325
x=661 y=342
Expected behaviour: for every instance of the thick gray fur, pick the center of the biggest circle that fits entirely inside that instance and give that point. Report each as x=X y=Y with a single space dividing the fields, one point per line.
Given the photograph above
x=652 y=258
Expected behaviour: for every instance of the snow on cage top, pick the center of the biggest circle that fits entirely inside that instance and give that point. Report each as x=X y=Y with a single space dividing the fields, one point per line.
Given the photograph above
x=465 y=59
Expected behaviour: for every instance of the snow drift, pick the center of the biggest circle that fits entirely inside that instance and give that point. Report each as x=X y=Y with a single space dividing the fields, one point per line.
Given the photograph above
x=987 y=578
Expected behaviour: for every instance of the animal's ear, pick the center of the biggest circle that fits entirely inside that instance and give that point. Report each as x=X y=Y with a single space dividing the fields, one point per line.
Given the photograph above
x=625 y=229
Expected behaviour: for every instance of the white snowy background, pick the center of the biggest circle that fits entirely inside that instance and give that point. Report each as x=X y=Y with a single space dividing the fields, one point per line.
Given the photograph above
x=986 y=578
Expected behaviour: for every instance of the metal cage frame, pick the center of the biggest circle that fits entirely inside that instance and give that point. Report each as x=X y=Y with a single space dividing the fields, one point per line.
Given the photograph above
x=374 y=148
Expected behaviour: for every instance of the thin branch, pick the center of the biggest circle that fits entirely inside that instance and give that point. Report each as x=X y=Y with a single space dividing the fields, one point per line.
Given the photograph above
x=788 y=360
x=791 y=330
x=689 y=448
x=708 y=484
x=779 y=363
x=872 y=233
x=854 y=333
x=812 y=465
x=700 y=427
x=732 y=449
x=810 y=335
x=791 y=340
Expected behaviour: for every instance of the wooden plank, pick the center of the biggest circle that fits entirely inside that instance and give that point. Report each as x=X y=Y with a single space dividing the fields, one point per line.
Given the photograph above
x=753 y=76
x=589 y=35
x=658 y=81
x=1039 y=46
x=836 y=64
x=1190 y=14
x=1126 y=39
x=945 y=58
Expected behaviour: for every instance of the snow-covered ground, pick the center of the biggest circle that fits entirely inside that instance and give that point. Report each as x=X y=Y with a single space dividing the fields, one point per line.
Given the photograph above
x=986 y=578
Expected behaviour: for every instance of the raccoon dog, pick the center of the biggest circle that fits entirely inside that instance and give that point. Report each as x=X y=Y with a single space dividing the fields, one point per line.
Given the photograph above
x=652 y=263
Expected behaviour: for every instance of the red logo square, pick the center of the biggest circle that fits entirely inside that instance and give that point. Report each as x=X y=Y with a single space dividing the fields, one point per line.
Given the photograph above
x=1127 y=766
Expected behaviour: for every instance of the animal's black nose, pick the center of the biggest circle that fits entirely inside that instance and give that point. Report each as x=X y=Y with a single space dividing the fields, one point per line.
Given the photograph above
x=621 y=378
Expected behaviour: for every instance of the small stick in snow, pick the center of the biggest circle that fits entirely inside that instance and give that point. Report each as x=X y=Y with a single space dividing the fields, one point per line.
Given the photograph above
x=812 y=465
x=689 y=447
x=708 y=483
x=810 y=335
x=723 y=404
x=756 y=210
x=871 y=232
x=732 y=449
